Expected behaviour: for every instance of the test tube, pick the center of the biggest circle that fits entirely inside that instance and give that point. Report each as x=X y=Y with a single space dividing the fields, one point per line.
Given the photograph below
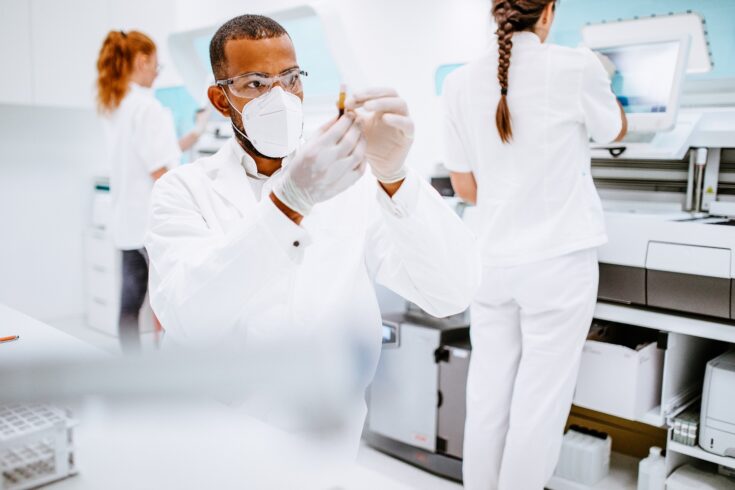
x=341 y=100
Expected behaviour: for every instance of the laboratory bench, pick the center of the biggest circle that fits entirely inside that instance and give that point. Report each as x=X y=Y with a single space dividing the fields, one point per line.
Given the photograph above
x=142 y=443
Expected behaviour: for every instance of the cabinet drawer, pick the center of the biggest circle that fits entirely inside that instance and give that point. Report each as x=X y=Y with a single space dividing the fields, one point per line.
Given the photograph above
x=100 y=251
x=102 y=314
x=685 y=292
x=102 y=283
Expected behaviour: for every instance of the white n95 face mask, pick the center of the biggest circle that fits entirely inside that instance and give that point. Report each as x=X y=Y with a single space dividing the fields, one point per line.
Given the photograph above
x=273 y=122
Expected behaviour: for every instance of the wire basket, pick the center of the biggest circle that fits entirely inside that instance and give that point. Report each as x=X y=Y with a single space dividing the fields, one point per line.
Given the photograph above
x=35 y=445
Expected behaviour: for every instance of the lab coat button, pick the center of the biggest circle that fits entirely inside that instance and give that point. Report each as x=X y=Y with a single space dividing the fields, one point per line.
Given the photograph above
x=296 y=243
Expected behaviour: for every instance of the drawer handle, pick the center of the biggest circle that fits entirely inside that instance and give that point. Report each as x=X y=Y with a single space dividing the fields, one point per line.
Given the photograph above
x=99 y=268
x=100 y=301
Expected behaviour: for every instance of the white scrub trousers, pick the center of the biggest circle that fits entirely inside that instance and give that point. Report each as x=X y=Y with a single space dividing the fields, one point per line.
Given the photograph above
x=529 y=324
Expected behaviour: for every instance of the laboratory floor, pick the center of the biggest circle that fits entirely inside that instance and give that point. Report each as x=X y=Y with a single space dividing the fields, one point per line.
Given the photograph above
x=399 y=472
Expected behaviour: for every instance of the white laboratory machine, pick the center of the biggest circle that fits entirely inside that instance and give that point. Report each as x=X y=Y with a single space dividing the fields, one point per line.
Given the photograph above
x=416 y=403
x=666 y=188
x=717 y=418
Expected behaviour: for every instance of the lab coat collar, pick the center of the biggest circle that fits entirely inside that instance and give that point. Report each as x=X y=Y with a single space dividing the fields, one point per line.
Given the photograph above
x=134 y=87
x=247 y=162
x=229 y=179
x=526 y=37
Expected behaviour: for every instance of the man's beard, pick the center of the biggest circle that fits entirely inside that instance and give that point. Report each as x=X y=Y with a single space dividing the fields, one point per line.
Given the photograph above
x=244 y=142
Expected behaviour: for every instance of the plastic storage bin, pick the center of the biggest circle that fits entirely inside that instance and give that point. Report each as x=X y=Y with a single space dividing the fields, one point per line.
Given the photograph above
x=585 y=456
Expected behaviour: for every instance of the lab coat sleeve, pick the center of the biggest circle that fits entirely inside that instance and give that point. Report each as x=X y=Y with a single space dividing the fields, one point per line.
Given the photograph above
x=202 y=281
x=155 y=138
x=419 y=248
x=455 y=144
x=600 y=110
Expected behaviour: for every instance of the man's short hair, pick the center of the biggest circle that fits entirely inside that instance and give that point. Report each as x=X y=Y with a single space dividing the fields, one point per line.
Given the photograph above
x=241 y=27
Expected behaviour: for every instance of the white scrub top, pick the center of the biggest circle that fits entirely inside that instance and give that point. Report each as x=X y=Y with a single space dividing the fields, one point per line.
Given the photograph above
x=229 y=270
x=141 y=138
x=535 y=195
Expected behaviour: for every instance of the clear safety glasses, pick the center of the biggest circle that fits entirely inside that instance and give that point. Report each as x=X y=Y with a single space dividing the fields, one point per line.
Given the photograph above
x=252 y=85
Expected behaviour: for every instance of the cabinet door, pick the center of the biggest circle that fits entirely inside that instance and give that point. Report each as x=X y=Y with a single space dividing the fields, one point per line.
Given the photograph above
x=15 y=52
x=66 y=40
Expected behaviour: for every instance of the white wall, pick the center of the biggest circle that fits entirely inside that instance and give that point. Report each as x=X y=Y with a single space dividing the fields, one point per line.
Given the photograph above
x=48 y=160
x=398 y=43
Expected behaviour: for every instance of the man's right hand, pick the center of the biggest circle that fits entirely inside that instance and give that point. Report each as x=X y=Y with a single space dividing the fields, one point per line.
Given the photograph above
x=329 y=163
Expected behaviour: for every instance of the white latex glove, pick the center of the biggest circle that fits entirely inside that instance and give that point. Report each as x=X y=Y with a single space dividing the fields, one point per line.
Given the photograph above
x=329 y=163
x=200 y=120
x=388 y=129
x=607 y=64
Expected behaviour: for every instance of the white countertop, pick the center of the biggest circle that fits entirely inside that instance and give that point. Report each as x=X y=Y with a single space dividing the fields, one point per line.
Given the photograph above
x=38 y=341
x=175 y=443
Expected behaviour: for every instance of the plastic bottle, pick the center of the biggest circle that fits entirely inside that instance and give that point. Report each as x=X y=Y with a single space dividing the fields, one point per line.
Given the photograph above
x=652 y=471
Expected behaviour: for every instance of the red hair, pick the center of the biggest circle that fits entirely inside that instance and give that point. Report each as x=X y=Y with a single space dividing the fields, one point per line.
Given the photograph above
x=115 y=65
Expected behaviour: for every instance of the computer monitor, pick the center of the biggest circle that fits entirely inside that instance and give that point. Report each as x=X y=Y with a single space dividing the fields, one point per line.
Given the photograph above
x=648 y=81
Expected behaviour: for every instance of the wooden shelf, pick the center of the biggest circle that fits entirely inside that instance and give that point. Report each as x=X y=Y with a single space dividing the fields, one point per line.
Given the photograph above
x=623 y=476
x=699 y=453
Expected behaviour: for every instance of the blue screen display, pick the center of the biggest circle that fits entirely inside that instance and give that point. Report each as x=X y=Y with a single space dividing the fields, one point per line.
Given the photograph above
x=572 y=15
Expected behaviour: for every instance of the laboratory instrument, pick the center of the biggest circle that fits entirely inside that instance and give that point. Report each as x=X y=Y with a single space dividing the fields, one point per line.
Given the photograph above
x=416 y=406
x=717 y=431
x=647 y=82
x=667 y=196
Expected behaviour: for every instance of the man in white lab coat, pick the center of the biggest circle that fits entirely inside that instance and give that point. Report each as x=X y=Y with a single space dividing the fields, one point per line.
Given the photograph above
x=271 y=238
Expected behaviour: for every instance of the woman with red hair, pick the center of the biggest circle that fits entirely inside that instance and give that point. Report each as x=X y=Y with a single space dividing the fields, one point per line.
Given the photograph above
x=142 y=145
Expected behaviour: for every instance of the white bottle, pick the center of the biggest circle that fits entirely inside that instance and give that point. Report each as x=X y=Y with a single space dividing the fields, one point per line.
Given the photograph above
x=652 y=471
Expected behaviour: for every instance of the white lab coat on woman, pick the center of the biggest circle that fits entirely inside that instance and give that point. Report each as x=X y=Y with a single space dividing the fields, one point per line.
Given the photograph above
x=228 y=268
x=540 y=222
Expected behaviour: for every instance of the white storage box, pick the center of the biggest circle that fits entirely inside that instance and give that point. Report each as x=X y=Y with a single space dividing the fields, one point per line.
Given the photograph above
x=618 y=380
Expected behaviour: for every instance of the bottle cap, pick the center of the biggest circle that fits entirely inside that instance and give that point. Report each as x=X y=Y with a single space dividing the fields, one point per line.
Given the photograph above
x=655 y=451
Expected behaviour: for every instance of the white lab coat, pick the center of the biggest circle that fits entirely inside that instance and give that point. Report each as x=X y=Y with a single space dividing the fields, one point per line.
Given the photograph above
x=540 y=223
x=141 y=138
x=229 y=269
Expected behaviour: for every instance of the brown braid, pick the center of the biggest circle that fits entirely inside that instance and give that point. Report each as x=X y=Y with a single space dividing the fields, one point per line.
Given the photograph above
x=511 y=16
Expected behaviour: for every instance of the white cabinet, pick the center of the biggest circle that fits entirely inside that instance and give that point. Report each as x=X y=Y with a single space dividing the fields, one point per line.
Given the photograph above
x=102 y=276
x=103 y=282
x=15 y=52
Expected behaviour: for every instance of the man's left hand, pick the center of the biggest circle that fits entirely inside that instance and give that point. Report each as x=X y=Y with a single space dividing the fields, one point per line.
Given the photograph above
x=388 y=129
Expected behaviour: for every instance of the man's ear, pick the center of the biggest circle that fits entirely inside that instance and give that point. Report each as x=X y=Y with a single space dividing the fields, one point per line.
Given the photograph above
x=219 y=100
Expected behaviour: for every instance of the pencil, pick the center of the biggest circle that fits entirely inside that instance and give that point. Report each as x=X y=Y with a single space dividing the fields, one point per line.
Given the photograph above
x=9 y=339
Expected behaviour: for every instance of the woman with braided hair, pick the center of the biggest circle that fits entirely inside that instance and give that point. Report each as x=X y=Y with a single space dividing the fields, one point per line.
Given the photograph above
x=518 y=123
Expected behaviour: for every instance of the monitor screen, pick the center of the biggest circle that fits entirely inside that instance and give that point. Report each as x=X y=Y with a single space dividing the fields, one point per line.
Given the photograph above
x=644 y=76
